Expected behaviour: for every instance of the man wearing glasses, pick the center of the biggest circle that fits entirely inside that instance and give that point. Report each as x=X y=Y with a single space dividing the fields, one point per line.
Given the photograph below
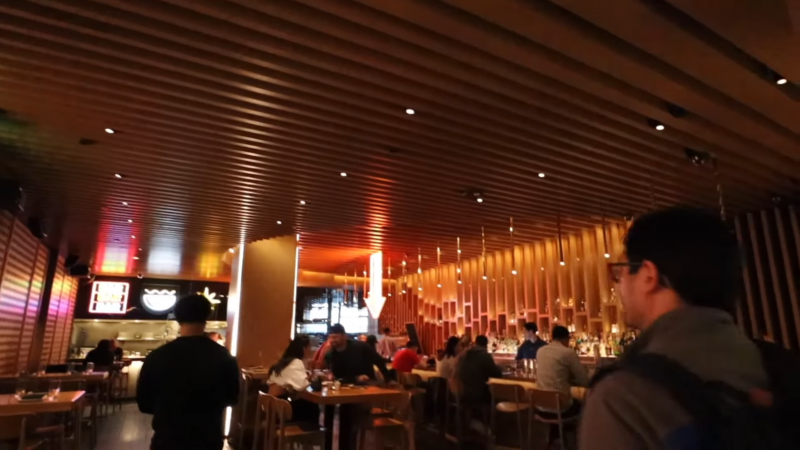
x=678 y=281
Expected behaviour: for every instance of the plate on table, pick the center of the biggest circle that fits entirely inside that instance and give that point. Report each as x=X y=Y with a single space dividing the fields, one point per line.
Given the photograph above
x=33 y=397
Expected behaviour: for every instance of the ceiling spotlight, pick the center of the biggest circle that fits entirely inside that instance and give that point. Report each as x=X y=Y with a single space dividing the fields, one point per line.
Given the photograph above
x=480 y=200
x=439 y=285
x=133 y=237
x=404 y=291
x=302 y=202
x=542 y=268
x=279 y=222
x=140 y=249
x=118 y=175
x=484 y=277
x=656 y=124
x=136 y=258
x=231 y=250
x=124 y=203
x=419 y=288
x=410 y=112
x=563 y=263
x=459 y=281
x=607 y=255
x=541 y=174
x=110 y=131
x=344 y=174
x=513 y=272
x=130 y=220
x=780 y=81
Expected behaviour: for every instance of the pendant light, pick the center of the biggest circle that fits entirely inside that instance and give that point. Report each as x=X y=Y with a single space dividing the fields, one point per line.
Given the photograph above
x=605 y=240
x=458 y=259
x=513 y=250
x=405 y=278
x=560 y=243
x=483 y=251
x=419 y=269
x=389 y=276
x=715 y=166
x=438 y=266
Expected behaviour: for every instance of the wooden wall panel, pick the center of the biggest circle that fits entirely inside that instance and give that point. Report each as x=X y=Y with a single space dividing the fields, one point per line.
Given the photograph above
x=23 y=261
x=59 y=279
x=770 y=241
x=543 y=291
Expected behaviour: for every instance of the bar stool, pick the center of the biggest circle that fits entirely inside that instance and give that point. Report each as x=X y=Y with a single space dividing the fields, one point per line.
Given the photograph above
x=509 y=399
x=550 y=401
x=396 y=431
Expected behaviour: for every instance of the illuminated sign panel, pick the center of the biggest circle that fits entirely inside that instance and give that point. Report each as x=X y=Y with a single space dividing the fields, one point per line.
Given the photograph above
x=109 y=297
x=375 y=299
x=159 y=299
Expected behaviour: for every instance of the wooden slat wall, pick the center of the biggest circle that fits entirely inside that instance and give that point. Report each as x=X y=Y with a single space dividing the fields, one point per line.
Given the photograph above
x=22 y=271
x=543 y=291
x=770 y=308
x=59 y=316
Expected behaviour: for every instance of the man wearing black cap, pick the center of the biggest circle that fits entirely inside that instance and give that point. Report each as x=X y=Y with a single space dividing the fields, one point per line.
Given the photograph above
x=187 y=384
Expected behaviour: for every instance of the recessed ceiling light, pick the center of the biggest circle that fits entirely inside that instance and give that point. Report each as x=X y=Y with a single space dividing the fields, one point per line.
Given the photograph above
x=118 y=175
x=660 y=127
x=656 y=124
x=781 y=81
x=140 y=249
x=136 y=258
x=513 y=272
x=480 y=200
x=130 y=220
x=279 y=222
x=541 y=174
x=607 y=255
x=302 y=202
x=110 y=130
x=133 y=237
x=124 y=203
x=231 y=250
x=344 y=174
x=410 y=112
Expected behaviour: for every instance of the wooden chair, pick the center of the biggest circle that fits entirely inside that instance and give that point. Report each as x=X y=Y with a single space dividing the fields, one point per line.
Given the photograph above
x=243 y=420
x=437 y=396
x=14 y=431
x=275 y=428
x=550 y=401
x=397 y=431
x=509 y=399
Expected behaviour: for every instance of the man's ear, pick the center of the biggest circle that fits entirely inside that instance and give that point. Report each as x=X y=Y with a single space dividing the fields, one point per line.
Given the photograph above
x=649 y=275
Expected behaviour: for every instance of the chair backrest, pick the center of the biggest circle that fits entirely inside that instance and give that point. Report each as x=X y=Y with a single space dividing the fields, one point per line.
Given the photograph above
x=403 y=410
x=507 y=393
x=549 y=400
x=409 y=380
x=8 y=385
x=265 y=429
x=15 y=427
x=277 y=412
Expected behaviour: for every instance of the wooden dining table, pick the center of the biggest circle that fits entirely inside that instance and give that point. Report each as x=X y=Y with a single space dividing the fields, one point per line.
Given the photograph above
x=348 y=396
x=64 y=402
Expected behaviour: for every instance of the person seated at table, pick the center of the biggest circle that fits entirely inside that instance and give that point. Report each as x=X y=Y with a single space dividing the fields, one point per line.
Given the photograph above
x=372 y=340
x=473 y=371
x=558 y=369
x=288 y=376
x=322 y=352
x=102 y=356
x=350 y=361
x=116 y=349
x=446 y=363
x=407 y=359
x=532 y=343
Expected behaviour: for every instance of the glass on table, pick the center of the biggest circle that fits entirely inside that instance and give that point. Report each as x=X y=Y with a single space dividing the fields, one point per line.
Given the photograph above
x=89 y=367
x=21 y=386
x=54 y=389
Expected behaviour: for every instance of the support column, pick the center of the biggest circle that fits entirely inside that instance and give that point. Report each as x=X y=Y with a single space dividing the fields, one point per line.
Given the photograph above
x=261 y=300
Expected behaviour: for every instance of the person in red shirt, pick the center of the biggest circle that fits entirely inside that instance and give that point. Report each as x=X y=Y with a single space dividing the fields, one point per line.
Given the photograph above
x=406 y=359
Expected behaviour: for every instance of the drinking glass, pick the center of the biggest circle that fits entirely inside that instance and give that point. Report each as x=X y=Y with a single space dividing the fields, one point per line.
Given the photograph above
x=89 y=367
x=55 y=388
x=21 y=388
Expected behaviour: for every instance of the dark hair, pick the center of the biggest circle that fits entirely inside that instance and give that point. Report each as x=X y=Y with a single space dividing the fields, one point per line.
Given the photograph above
x=531 y=326
x=295 y=350
x=372 y=340
x=412 y=343
x=387 y=330
x=104 y=344
x=695 y=252
x=336 y=328
x=451 y=347
x=482 y=341
x=192 y=309
x=560 y=332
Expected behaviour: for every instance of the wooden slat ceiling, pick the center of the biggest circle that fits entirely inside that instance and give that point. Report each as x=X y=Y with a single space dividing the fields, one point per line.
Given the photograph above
x=230 y=113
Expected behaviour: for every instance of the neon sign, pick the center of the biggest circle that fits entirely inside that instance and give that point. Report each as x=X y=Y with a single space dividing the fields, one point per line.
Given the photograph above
x=159 y=300
x=375 y=299
x=109 y=297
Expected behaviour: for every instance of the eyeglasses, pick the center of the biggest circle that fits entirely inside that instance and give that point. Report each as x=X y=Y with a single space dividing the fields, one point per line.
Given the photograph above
x=616 y=270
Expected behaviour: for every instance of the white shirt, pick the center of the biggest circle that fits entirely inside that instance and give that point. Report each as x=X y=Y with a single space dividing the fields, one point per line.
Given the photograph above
x=558 y=368
x=446 y=367
x=292 y=376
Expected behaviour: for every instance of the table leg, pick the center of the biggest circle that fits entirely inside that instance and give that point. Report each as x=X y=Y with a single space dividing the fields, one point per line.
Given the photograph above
x=330 y=412
x=78 y=424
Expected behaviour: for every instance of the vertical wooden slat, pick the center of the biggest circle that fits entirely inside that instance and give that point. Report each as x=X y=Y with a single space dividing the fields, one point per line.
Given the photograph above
x=790 y=277
x=760 y=277
x=777 y=295
x=748 y=289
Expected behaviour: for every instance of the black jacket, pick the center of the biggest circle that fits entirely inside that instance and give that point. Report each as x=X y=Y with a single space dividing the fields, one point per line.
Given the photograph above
x=474 y=369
